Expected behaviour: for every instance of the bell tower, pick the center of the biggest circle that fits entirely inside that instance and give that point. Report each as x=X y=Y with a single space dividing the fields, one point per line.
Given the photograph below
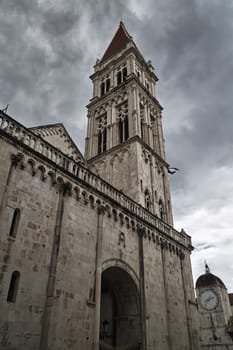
x=124 y=143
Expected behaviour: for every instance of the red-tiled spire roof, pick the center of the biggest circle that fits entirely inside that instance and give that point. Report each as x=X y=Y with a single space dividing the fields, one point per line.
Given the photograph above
x=118 y=43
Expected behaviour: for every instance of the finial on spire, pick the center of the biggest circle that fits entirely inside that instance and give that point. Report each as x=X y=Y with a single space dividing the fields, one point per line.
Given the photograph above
x=207 y=269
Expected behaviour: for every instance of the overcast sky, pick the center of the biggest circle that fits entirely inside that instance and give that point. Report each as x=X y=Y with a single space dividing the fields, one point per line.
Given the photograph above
x=48 y=49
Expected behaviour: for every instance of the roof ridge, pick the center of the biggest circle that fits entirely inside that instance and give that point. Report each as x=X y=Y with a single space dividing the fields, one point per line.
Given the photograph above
x=46 y=126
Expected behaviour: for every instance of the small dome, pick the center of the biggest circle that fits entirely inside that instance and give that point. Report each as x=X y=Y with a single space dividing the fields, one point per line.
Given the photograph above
x=208 y=279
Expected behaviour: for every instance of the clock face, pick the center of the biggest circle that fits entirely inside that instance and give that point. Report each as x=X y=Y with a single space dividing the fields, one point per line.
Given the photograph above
x=209 y=299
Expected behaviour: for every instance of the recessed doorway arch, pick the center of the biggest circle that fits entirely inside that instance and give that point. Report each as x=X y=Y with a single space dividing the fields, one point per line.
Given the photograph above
x=120 y=311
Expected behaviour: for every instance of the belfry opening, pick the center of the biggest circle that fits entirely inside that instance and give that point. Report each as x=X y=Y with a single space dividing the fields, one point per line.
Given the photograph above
x=120 y=311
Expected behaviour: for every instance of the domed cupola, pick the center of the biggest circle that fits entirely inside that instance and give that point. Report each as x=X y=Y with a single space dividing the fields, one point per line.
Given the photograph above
x=209 y=280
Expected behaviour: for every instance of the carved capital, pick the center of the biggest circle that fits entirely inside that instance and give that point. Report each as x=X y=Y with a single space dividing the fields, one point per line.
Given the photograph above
x=182 y=255
x=101 y=209
x=140 y=231
x=16 y=159
x=164 y=244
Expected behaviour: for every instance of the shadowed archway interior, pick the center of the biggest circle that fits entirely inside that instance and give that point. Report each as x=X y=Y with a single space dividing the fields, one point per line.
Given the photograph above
x=120 y=316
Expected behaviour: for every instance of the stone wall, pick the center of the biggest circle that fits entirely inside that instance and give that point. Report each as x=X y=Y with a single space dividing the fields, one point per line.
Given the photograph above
x=69 y=232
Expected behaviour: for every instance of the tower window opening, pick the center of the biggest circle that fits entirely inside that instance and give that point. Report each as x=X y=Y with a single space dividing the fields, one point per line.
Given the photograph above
x=142 y=119
x=147 y=199
x=123 y=129
x=124 y=74
x=102 y=88
x=126 y=127
x=107 y=85
x=13 y=288
x=119 y=78
x=104 y=139
x=120 y=131
x=99 y=142
x=15 y=223
x=142 y=134
x=161 y=210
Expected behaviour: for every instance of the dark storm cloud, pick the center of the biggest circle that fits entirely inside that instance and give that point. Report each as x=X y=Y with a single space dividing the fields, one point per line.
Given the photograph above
x=48 y=49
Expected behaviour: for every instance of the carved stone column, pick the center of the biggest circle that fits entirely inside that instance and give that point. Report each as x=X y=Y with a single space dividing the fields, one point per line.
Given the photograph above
x=140 y=232
x=97 y=290
x=49 y=299
x=164 y=267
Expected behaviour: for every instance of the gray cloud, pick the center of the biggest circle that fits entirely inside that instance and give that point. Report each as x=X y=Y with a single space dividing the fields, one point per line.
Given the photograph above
x=48 y=49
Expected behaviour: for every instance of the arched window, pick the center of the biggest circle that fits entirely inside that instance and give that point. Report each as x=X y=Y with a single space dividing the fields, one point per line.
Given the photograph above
x=123 y=127
x=161 y=210
x=147 y=200
x=107 y=85
x=102 y=88
x=142 y=134
x=104 y=139
x=119 y=80
x=120 y=131
x=142 y=110
x=126 y=122
x=13 y=288
x=15 y=223
x=99 y=142
x=124 y=74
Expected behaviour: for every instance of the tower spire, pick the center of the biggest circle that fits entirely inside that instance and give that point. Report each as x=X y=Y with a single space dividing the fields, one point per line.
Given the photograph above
x=118 y=43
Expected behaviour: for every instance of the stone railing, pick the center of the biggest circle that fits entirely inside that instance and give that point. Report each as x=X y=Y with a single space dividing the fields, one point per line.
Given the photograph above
x=35 y=142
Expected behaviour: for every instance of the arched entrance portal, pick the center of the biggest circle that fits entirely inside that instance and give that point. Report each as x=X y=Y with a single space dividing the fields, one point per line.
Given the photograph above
x=119 y=316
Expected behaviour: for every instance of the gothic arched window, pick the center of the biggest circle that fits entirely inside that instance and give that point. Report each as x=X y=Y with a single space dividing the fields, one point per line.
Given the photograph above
x=123 y=127
x=104 y=139
x=13 y=288
x=124 y=74
x=120 y=131
x=102 y=88
x=119 y=80
x=126 y=127
x=99 y=142
x=107 y=85
x=161 y=210
x=15 y=223
x=147 y=199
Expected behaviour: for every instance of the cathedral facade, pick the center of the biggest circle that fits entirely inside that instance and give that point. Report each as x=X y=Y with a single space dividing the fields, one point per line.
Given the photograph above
x=89 y=256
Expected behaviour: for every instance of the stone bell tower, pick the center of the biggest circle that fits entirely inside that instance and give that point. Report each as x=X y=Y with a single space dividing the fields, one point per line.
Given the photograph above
x=124 y=143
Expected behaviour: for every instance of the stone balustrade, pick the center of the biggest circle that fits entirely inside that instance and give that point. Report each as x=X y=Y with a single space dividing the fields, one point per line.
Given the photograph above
x=35 y=142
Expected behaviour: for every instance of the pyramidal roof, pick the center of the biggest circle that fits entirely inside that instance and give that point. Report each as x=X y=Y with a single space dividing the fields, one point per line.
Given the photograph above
x=118 y=43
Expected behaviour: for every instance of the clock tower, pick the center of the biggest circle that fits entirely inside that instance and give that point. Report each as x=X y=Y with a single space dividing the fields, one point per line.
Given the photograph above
x=215 y=312
x=124 y=143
